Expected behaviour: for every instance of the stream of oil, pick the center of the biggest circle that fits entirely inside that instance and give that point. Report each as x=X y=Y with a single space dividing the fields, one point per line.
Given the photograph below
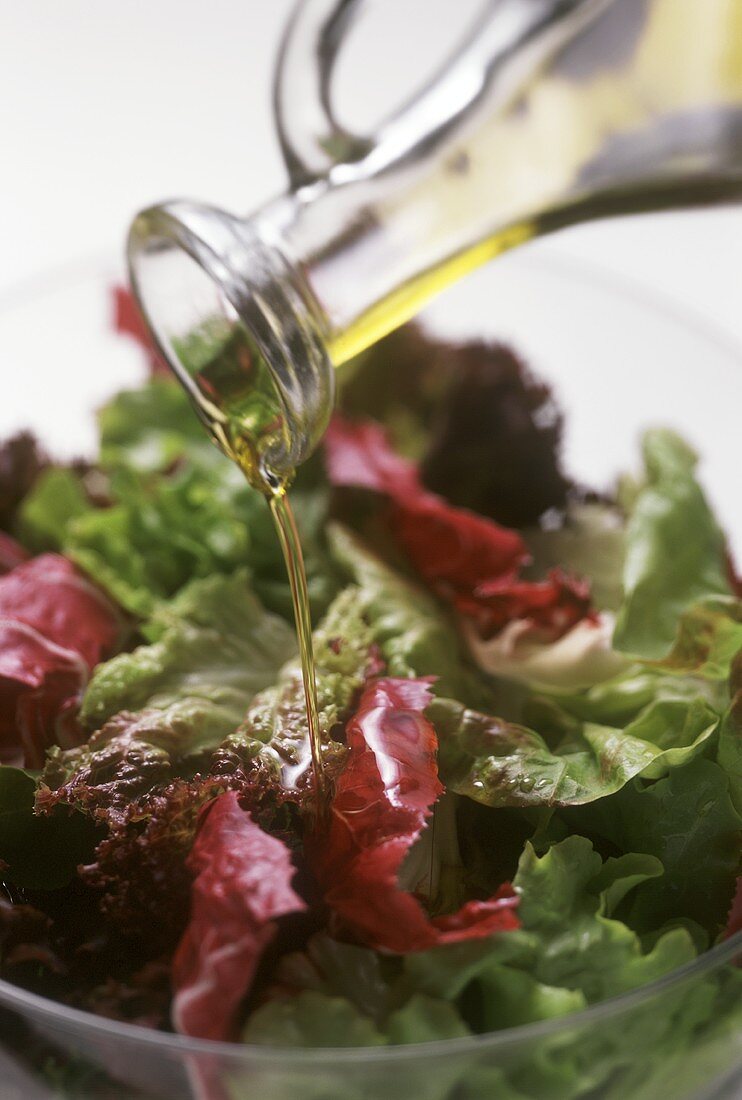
x=288 y=536
x=232 y=390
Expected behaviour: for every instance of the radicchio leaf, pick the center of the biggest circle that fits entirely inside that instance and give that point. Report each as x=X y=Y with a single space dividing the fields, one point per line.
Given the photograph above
x=242 y=886
x=54 y=627
x=383 y=799
x=467 y=559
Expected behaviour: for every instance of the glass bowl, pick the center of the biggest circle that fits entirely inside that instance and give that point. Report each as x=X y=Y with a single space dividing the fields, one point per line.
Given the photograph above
x=619 y=359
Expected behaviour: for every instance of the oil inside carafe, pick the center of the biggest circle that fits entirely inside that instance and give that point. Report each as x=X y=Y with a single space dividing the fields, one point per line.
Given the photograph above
x=230 y=385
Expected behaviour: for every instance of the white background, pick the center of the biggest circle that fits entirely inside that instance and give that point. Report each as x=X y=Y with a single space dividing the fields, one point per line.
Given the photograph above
x=109 y=105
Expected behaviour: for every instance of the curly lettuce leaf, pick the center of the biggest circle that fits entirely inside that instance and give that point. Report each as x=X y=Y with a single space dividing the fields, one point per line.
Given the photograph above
x=159 y=536
x=58 y=498
x=675 y=550
x=151 y=428
x=578 y=946
x=177 y=510
x=273 y=737
x=169 y=705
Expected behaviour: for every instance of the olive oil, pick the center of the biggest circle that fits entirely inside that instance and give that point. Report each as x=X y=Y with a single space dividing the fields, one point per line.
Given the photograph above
x=288 y=536
x=231 y=388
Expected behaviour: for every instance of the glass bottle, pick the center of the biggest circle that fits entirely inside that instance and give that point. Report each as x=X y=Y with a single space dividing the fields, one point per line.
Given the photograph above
x=551 y=112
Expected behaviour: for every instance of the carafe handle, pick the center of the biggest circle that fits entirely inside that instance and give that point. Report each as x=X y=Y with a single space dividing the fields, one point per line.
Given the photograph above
x=312 y=139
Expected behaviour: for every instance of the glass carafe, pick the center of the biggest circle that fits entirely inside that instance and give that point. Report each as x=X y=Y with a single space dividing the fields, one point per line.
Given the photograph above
x=551 y=112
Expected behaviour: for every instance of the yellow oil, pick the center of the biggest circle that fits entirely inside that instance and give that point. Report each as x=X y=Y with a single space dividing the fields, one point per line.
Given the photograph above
x=406 y=301
x=288 y=536
x=524 y=166
x=231 y=388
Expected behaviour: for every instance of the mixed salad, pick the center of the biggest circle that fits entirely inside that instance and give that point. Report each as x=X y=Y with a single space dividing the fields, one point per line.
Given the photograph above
x=531 y=703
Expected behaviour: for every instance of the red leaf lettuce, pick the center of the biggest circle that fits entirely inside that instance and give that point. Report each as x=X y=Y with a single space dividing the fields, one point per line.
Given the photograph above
x=242 y=885
x=382 y=801
x=467 y=559
x=54 y=627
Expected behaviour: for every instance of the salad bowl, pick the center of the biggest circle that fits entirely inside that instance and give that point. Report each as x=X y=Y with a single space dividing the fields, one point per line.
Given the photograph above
x=619 y=359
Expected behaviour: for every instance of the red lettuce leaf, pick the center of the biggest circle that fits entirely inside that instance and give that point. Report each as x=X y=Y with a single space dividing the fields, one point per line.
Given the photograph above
x=49 y=594
x=550 y=607
x=383 y=798
x=467 y=559
x=40 y=686
x=242 y=886
x=128 y=320
x=54 y=627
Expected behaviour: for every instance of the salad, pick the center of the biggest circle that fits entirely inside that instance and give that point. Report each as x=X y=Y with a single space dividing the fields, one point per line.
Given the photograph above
x=530 y=695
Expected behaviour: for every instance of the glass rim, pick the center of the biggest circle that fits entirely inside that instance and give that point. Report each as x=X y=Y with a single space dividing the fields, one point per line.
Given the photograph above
x=716 y=957
x=12 y=996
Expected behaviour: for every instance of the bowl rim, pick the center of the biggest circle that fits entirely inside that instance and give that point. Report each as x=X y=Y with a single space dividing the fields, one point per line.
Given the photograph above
x=102 y=268
x=724 y=953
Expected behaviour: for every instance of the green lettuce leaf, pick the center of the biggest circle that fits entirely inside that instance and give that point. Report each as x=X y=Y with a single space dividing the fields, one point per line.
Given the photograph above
x=709 y=636
x=579 y=947
x=590 y=543
x=273 y=735
x=311 y=1020
x=675 y=550
x=618 y=701
x=414 y=633
x=56 y=501
x=178 y=510
x=148 y=430
x=510 y=998
x=318 y=1020
x=502 y=764
x=218 y=649
x=168 y=705
x=158 y=537
x=151 y=428
x=425 y=1020
x=688 y=822
x=730 y=743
